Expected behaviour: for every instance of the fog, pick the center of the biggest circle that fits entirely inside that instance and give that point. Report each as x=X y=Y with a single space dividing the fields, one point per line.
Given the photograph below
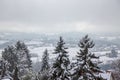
x=54 y=16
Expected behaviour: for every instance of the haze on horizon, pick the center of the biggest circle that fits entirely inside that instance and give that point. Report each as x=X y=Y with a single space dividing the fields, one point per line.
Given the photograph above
x=54 y=16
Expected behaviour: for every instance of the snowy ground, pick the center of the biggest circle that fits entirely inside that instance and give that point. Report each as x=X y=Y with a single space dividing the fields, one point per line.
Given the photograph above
x=3 y=41
x=72 y=54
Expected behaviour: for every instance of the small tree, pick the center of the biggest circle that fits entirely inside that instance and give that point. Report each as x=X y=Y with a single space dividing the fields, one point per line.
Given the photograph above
x=45 y=63
x=44 y=72
x=86 y=68
x=60 y=66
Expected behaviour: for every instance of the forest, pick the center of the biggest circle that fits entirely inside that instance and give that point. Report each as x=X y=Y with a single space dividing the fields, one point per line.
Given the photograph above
x=16 y=63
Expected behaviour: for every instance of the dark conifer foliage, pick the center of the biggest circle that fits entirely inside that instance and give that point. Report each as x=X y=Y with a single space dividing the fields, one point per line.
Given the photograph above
x=45 y=67
x=24 y=61
x=15 y=75
x=23 y=53
x=18 y=55
x=45 y=64
x=10 y=55
x=4 y=70
x=87 y=67
x=60 y=66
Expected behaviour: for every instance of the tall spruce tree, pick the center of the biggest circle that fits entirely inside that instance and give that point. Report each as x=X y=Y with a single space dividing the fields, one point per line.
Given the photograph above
x=45 y=64
x=86 y=66
x=60 y=66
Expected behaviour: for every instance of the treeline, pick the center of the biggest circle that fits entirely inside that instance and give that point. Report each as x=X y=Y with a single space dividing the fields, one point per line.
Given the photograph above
x=17 y=63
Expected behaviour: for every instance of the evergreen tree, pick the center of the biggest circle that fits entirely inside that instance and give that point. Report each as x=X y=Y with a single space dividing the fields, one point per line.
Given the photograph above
x=86 y=68
x=44 y=72
x=23 y=53
x=9 y=55
x=24 y=61
x=45 y=63
x=18 y=55
x=60 y=66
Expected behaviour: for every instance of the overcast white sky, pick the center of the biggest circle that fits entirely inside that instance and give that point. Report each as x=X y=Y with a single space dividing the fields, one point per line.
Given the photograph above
x=60 y=16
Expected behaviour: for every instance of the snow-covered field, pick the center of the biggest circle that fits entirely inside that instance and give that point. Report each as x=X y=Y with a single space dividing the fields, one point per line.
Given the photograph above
x=72 y=54
x=3 y=41
x=33 y=42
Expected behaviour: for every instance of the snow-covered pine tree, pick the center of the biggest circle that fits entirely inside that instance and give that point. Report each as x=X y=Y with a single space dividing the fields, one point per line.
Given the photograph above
x=86 y=68
x=24 y=61
x=23 y=54
x=44 y=71
x=45 y=64
x=60 y=66
x=10 y=56
x=18 y=55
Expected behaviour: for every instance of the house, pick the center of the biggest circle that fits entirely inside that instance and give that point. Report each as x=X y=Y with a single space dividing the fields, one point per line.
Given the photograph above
x=116 y=75
x=107 y=75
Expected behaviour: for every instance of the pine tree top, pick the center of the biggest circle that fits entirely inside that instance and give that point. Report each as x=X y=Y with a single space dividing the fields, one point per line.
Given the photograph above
x=85 y=42
x=60 y=48
x=45 y=61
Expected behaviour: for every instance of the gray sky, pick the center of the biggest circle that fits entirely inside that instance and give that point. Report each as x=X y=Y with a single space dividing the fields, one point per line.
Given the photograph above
x=60 y=16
